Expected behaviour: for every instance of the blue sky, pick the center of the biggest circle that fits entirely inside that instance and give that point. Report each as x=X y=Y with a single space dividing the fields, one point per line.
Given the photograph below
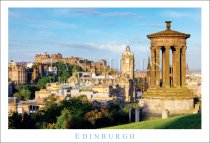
x=99 y=33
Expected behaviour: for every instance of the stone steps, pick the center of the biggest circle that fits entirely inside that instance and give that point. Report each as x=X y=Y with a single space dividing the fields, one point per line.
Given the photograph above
x=169 y=92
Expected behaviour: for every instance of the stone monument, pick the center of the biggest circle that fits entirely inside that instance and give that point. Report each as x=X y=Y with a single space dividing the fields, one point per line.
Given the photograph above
x=167 y=86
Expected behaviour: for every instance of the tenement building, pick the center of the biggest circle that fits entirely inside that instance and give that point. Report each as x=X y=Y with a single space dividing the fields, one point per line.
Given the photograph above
x=17 y=73
x=167 y=90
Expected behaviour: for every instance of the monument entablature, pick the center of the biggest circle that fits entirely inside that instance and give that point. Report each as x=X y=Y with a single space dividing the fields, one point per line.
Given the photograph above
x=168 y=41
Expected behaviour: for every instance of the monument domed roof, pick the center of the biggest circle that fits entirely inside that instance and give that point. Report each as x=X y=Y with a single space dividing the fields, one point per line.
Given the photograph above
x=168 y=32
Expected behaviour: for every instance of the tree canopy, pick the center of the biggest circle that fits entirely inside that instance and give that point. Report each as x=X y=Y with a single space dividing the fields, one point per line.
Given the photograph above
x=63 y=120
x=23 y=94
x=75 y=113
x=43 y=81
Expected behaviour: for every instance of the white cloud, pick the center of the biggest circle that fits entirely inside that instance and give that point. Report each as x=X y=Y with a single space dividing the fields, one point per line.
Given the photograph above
x=87 y=11
x=153 y=25
x=176 y=14
x=114 y=47
x=111 y=46
x=37 y=21
x=141 y=48
x=95 y=12
x=180 y=14
x=52 y=25
x=123 y=14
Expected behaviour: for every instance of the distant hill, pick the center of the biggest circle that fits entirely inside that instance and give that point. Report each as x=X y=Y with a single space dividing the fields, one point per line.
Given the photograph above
x=179 y=122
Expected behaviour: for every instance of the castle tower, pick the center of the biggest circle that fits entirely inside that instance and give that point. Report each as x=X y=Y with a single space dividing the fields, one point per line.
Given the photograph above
x=127 y=63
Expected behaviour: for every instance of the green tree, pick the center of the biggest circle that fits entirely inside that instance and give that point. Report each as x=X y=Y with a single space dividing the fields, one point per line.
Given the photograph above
x=113 y=107
x=95 y=115
x=83 y=99
x=51 y=126
x=49 y=102
x=75 y=68
x=77 y=106
x=15 y=121
x=141 y=83
x=43 y=81
x=51 y=111
x=63 y=120
x=16 y=94
x=25 y=94
x=64 y=71
x=130 y=105
x=33 y=88
x=27 y=121
x=119 y=118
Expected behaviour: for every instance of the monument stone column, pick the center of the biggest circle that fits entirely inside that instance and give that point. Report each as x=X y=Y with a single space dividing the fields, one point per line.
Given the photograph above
x=163 y=67
x=174 y=67
x=157 y=66
x=152 y=67
x=167 y=71
x=183 y=60
x=178 y=74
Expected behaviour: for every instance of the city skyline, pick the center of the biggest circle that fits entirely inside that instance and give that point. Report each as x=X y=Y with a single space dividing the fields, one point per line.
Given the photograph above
x=77 y=32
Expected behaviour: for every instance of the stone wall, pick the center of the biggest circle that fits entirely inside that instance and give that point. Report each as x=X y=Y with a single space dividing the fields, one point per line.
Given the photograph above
x=172 y=105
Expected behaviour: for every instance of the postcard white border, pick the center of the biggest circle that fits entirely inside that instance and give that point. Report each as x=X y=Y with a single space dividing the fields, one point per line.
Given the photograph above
x=201 y=135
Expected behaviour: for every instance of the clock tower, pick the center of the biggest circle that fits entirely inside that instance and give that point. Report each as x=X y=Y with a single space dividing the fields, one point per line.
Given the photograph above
x=127 y=64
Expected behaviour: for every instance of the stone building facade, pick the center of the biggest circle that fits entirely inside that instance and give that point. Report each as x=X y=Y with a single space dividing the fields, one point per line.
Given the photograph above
x=17 y=73
x=46 y=58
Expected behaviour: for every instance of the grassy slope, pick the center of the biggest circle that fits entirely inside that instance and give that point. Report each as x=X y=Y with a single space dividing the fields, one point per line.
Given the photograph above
x=179 y=122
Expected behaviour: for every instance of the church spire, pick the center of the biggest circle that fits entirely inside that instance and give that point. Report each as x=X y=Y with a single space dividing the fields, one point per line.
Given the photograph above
x=187 y=69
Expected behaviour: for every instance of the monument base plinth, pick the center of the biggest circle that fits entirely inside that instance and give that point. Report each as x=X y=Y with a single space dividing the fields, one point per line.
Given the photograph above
x=177 y=101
